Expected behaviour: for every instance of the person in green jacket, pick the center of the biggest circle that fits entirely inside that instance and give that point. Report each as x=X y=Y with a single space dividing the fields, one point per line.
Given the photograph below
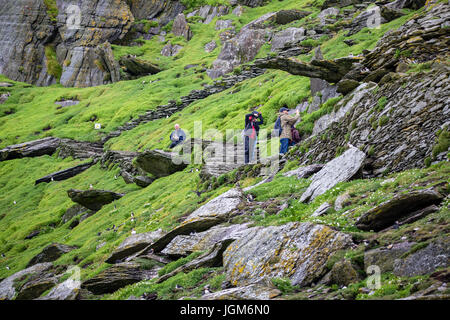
x=287 y=122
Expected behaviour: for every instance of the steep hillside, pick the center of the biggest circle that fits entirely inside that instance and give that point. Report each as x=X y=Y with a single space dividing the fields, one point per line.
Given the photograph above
x=93 y=206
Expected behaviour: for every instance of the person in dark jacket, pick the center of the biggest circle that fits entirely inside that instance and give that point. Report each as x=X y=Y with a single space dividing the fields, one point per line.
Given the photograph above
x=177 y=136
x=252 y=122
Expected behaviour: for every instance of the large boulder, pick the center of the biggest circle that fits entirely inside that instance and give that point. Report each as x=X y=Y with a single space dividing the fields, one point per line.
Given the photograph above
x=93 y=199
x=134 y=244
x=219 y=207
x=116 y=277
x=396 y=209
x=9 y=287
x=340 y=169
x=184 y=245
x=51 y=253
x=158 y=163
x=298 y=251
x=136 y=67
x=45 y=146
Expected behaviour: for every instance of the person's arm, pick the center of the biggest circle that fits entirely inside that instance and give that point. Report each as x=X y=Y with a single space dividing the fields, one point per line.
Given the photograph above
x=292 y=120
x=261 y=120
x=171 y=136
x=182 y=135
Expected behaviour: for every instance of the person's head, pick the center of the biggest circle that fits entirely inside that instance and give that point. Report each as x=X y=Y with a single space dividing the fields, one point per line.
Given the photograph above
x=256 y=114
x=177 y=126
x=284 y=110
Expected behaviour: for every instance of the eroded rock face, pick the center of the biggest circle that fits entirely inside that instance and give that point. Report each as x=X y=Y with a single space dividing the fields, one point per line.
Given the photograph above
x=30 y=149
x=170 y=50
x=8 y=288
x=93 y=199
x=297 y=251
x=25 y=30
x=401 y=206
x=337 y=170
x=51 y=253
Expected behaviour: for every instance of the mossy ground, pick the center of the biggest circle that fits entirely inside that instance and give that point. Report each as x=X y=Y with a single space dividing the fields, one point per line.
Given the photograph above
x=30 y=113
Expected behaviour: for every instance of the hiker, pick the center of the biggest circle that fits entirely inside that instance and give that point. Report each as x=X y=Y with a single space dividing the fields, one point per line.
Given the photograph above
x=252 y=122
x=177 y=136
x=286 y=122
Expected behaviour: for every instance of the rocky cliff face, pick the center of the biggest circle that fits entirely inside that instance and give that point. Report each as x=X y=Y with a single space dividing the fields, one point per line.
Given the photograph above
x=25 y=30
x=43 y=46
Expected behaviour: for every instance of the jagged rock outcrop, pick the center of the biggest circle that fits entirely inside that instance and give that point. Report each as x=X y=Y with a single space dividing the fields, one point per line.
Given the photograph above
x=51 y=253
x=30 y=149
x=65 y=174
x=297 y=251
x=78 y=51
x=208 y=12
x=337 y=170
x=25 y=31
x=398 y=208
x=396 y=126
x=93 y=199
x=245 y=45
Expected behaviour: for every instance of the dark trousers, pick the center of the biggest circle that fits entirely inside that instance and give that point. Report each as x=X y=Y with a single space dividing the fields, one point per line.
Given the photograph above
x=284 y=145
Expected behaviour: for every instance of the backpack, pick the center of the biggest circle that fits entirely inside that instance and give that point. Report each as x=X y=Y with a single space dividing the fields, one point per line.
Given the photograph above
x=278 y=127
x=295 y=135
